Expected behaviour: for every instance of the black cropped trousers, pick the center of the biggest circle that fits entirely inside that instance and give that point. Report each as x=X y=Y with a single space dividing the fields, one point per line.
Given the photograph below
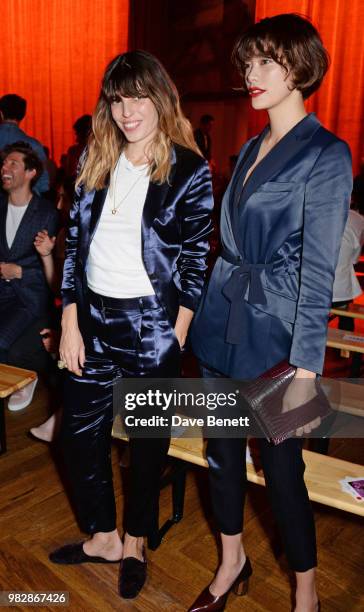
x=284 y=469
x=129 y=338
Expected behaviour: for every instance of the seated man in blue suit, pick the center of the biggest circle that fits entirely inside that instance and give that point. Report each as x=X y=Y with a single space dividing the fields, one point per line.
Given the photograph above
x=24 y=293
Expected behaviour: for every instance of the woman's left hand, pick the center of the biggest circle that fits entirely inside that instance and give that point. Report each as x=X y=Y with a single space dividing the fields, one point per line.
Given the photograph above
x=301 y=390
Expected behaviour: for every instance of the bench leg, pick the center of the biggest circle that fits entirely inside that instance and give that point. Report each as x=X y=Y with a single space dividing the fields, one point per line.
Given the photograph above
x=178 y=480
x=355 y=365
x=2 y=427
x=178 y=494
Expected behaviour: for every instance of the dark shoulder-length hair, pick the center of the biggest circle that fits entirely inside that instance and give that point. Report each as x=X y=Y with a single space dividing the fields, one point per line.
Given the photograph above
x=291 y=41
x=135 y=74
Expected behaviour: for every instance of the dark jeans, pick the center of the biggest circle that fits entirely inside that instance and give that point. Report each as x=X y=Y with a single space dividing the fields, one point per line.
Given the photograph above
x=283 y=468
x=129 y=338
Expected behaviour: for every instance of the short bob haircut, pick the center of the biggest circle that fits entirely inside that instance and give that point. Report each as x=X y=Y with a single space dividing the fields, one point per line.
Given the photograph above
x=30 y=157
x=291 y=41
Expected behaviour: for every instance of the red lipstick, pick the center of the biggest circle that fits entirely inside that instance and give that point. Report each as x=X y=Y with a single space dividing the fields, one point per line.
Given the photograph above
x=255 y=91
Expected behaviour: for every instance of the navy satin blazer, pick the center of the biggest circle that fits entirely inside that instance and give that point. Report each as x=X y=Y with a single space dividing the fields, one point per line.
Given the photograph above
x=270 y=293
x=32 y=288
x=175 y=227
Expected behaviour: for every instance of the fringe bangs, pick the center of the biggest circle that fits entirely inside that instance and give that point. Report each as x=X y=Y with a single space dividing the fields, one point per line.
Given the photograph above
x=135 y=74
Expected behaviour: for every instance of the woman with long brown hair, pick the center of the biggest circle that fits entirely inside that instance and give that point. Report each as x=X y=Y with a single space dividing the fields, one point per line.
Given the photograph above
x=133 y=275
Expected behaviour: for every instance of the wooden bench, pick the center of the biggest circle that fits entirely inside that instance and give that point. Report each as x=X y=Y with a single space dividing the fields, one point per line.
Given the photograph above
x=345 y=396
x=336 y=339
x=354 y=311
x=322 y=477
x=11 y=380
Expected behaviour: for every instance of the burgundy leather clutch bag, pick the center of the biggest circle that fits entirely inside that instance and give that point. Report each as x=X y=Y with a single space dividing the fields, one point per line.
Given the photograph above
x=264 y=397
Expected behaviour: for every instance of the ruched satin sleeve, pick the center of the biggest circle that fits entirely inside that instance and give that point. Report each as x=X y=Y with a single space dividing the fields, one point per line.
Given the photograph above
x=68 y=284
x=327 y=198
x=196 y=225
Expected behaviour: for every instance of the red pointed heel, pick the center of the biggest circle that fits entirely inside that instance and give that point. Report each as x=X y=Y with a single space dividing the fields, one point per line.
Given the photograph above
x=206 y=602
x=241 y=585
x=241 y=588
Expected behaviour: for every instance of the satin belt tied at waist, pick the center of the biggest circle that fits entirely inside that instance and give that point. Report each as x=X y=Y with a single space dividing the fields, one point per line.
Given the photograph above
x=247 y=276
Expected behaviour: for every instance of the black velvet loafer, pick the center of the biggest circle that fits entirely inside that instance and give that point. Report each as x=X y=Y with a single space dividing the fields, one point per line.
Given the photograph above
x=133 y=574
x=71 y=554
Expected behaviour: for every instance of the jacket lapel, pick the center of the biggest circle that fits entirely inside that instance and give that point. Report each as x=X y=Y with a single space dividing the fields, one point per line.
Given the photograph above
x=237 y=184
x=246 y=161
x=286 y=149
x=96 y=209
x=25 y=225
x=155 y=198
x=4 y=249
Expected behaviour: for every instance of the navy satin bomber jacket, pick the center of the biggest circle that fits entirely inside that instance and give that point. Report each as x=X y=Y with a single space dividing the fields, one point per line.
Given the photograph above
x=175 y=228
x=270 y=293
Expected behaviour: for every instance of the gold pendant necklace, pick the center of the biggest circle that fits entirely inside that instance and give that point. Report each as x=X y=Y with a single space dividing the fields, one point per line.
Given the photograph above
x=115 y=208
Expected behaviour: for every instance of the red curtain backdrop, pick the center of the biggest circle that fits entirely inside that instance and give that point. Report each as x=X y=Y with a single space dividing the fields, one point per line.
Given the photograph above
x=339 y=104
x=53 y=53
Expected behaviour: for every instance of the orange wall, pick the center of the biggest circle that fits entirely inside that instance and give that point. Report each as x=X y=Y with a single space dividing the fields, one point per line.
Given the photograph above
x=53 y=53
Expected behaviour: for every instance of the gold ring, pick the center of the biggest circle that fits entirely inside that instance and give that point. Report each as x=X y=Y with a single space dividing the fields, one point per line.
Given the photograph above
x=61 y=364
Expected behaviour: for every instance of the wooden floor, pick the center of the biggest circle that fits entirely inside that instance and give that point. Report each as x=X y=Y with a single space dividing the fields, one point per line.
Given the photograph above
x=35 y=517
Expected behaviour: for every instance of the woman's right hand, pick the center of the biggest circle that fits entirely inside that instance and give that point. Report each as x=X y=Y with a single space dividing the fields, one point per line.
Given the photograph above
x=72 y=348
x=301 y=389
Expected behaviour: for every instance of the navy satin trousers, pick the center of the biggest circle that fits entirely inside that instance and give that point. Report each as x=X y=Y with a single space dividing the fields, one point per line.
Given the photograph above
x=283 y=468
x=129 y=338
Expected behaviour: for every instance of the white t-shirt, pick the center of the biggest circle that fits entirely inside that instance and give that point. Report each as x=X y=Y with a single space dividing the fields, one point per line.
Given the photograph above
x=13 y=220
x=346 y=285
x=115 y=266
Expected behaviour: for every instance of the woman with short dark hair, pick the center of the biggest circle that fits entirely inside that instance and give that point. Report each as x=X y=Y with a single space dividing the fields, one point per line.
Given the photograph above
x=133 y=275
x=270 y=292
